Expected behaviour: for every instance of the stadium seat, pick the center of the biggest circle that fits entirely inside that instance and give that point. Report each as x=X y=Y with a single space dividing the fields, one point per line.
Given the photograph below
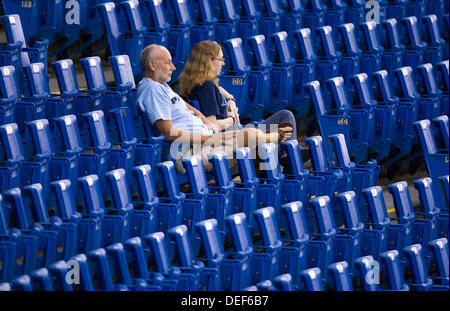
x=371 y=48
x=414 y=46
x=346 y=43
x=36 y=54
x=12 y=157
x=313 y=16
x=441 y=75
x=9 y=95
x=432 y=37
x=227 y=20
x=393 y=49
x=248 y=24
x=385 y=127
x=435 y=159
x=304 y=69
x=259 y=78
x=328 y=58
x=430 y=96
x=204 y=21
x=334 y=15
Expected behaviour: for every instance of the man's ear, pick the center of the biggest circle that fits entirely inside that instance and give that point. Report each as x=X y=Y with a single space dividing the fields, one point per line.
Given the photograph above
x=151 y=65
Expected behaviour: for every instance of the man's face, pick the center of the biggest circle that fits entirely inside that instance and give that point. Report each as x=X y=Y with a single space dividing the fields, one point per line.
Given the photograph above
x=162 y=66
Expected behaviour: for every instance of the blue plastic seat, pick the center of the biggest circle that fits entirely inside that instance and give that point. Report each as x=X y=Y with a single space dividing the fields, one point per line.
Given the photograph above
x=204 y=21
x=436 y=160
x=416 y=267
x=73 y=101
x=432 y=37
x=444 y=33
x=180 y=20
x=271 y=193
x=332 y=119
x=12 y=156
x=150 y=213
x=396 y=9
x=363 y=175
x=414 y=46
x=193 y=208
x=403 y=83
x=313 y=15
x=334 y=14
x=429 y=106
x=238 y=262
x=391 y=236
x=227 y=20
x=38 y=53
x=304 y=69
x=124 y=78
x=348 y=46
x=259 y=78
x=444 y=183
x=235 y=74
x=33 y=107
x=33 y=197
x=203 y=277
x=393 y=49
x=282 y=73
x=88 y=229
x=291 y=19
x=339 y=180
x=439 y=251
x=371 y=48
x=9 y=95
x=434 y=212
x=362 y=116
x=295 y=238
x=417 y=230
x=248 y=24
x=159 y=263
x=37 y=151
x=441 y=74
x=40 y=280
x=154 y=18
x=271 y=13
x=312 y=279
x=26 y=220
x=105 y=98
x=355 y=13
x=365 y=266
x=385 y=127
x=244 y=196
x=121 y=40
x=391 y=277
x=328 y=57
x=120 y=272
x=340 y=276
x=267 y=247
x=283 y=282
x=212 y=251
x=22 y=283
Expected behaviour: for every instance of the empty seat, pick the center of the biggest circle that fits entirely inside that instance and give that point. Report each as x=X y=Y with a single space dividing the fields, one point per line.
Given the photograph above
x=414 y=46
x=371 y=48
x=385 y=127
x=227 y=20
x=393 y=49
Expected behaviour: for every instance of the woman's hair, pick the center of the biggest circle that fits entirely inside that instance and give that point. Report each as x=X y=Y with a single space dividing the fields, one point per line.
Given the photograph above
x=198 y=68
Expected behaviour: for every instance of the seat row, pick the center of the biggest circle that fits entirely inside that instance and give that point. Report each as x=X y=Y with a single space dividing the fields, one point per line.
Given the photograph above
x=270 y=254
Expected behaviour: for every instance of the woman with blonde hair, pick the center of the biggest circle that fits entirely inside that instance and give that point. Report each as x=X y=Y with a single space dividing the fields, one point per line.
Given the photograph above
x=199 y=81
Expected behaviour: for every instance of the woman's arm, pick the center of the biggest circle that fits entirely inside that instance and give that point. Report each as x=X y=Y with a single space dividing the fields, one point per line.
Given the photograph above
x=222 y=123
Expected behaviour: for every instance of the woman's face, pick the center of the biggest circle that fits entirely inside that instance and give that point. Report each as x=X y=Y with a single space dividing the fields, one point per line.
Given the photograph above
x=217 y=63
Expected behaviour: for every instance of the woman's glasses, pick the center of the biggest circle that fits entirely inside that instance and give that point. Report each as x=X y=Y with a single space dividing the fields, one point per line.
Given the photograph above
x=219 y=59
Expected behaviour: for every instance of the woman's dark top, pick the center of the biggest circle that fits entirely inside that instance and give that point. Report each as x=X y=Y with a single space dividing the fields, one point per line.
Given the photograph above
x=210 y=100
